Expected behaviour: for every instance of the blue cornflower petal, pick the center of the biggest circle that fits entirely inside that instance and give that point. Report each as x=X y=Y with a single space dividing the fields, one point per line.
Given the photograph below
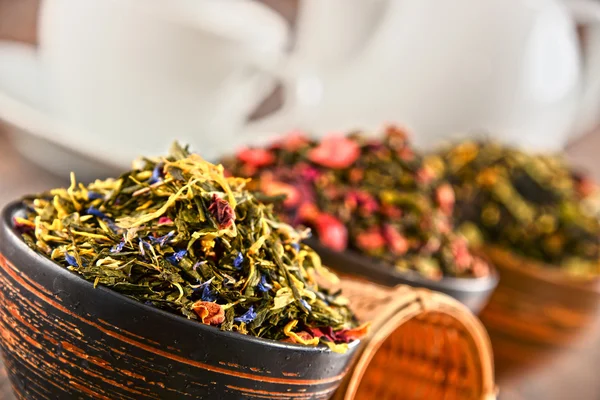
x=176 y=257
x=237 y=262
x=322 y=297
x=156 y=174
x=97 y=213
x=117 y=248
x=306 y=305
x=247 y=317
x=207 y=293
x=112 y=225
x=71 y=260
x=94 y=196
x=203 y=292
x=263 y=285
x=162 y=240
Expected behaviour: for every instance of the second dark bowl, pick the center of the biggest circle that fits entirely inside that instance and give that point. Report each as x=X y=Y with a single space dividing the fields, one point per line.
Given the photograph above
x=472 y=292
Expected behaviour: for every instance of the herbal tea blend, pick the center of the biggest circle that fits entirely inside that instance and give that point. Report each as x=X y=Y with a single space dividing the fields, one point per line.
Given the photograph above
x=177 y=234
x=376 y=196
x=535 y=205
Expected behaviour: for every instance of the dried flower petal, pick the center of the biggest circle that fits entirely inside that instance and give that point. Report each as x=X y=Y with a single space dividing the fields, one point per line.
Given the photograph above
x=444 y=196
x=257 y=158
x=332 y=232
x=204 y=292
x=276 y=188
x=263 y=285
x=94 y=195
x=460 y=251
x=118 y=247
x=292 y=141
x=176 y=257
x=301 y=337
x=397 y=243
x=162 y=240
x=97 y=213
x=349 y=335
x=157 y=174
x=238 y=260
x=585 y=186
x=308 y=173
x=165 y=221
x=209 y=313
x=425 y=176
x=371 y=240
x=247 y=317
x=221 y=212
x=71 y=260
x=335 y=151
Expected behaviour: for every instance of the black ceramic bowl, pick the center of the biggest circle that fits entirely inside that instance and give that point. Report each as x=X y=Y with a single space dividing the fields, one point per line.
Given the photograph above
x=472 y=292
x=61 y=338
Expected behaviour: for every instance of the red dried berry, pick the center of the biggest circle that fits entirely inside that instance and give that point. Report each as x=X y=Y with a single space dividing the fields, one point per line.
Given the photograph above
x=444 y=196
x=367 y=203
x=462 y=256
x=443 y=226
x=370 y=240
x=363 y=200
x=335 y=152
x=396 y=241
x=276 y=188
x=256 y=157
x=391 y=211
x=425 y=176
x=332 y=233
x=307 y=172
x=308 y=213
x=396 y=132
x=221 y=212
x=356 y=175
x=480 y=268
x=293 y=141
x=406 y=153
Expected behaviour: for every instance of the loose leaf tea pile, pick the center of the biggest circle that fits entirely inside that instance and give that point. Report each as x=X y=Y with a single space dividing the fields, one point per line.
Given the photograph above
x=176 y=233
x=376 y=196
x=534 y=205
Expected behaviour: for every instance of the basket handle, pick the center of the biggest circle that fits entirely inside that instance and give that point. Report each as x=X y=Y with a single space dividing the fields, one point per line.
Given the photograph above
x=389 y=308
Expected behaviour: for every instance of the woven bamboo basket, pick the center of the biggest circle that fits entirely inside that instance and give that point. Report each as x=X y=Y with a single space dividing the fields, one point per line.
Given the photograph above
x=537 y=312
x=422 y=345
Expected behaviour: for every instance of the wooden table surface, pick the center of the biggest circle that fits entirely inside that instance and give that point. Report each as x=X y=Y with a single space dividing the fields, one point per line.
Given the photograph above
x=571 y=375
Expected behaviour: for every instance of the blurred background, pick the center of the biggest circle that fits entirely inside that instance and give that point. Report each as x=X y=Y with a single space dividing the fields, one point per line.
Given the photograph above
x=78 y=89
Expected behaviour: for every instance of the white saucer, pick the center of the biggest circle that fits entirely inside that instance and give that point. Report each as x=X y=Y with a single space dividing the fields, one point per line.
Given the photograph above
x=25 y=106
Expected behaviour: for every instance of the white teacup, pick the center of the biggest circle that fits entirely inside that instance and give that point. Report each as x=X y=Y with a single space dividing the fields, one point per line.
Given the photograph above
x=130 y=76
